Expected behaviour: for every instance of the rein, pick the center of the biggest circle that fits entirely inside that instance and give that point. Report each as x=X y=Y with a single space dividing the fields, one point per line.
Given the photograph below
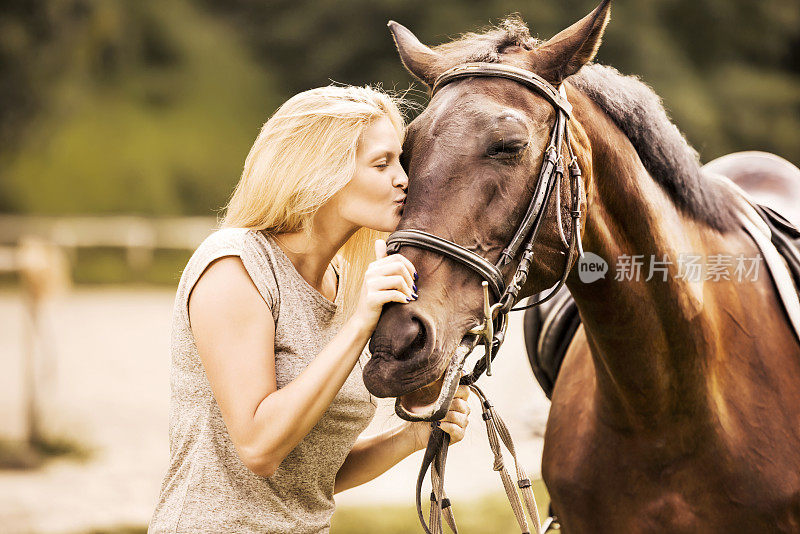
x=436 y=457
x=491 y=332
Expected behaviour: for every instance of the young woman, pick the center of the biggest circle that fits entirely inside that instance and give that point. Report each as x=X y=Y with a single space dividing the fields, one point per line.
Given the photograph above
x=272 y=314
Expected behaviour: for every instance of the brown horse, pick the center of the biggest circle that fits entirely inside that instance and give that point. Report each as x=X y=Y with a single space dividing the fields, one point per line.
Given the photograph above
x=677 y=408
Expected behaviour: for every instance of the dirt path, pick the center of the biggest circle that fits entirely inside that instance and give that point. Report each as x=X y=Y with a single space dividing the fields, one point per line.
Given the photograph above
x=111 y=392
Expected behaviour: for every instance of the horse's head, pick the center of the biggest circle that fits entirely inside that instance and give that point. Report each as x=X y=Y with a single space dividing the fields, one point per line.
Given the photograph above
x=473 y=158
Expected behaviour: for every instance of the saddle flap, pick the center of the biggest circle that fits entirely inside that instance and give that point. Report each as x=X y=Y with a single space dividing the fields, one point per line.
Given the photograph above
x=548 y=333
x=779 y=222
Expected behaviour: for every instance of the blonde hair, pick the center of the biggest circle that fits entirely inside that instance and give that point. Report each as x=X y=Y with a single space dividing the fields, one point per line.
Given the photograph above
x=304 y=154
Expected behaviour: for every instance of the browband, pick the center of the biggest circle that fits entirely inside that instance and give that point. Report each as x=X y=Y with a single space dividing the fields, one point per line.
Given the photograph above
x=497 y=70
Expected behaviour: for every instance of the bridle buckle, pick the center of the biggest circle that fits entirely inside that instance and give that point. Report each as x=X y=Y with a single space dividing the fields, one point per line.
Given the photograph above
x=486 y=330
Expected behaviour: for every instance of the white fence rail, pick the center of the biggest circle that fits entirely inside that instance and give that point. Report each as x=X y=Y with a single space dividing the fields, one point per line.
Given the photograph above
x=139 y=236
x=112 y=231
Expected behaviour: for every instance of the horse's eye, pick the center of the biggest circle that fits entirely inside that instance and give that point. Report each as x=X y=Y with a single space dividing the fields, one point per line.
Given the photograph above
x=506 y=148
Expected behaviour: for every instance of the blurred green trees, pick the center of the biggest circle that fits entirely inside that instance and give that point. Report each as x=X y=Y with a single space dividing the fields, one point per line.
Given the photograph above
x=150 y=106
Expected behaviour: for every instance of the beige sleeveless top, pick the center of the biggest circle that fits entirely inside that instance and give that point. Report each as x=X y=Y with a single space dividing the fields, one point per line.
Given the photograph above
x=207 y=488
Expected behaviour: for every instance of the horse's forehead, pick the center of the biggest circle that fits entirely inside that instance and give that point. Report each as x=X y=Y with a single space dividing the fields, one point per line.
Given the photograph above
x=456 y=107
x=479 y=103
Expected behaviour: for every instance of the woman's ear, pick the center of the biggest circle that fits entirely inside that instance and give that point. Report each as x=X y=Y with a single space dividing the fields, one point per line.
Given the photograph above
x=570 y=49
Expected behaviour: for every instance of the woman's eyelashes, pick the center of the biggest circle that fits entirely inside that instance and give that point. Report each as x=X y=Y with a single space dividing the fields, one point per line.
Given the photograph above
x=387 y=161
x=381 y=163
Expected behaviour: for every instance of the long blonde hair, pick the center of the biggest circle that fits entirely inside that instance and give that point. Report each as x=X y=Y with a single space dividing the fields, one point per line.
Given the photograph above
x=304 y=154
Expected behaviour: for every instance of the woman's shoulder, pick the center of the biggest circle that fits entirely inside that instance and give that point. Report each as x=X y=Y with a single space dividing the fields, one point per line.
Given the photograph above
x=252 y=248
x=250 y=253
x=224 y=238
x=220 y=243
x=243 y=242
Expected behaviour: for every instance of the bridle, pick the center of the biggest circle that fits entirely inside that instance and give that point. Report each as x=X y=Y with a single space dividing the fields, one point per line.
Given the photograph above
x=495 y=316
x=491 y=332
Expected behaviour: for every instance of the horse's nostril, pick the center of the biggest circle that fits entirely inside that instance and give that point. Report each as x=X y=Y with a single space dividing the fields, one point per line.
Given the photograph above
x=403 y=335
x=413 y=339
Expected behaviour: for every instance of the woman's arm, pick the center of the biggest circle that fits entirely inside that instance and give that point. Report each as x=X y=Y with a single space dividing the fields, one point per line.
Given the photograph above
x=235 y=335
x=373 y=455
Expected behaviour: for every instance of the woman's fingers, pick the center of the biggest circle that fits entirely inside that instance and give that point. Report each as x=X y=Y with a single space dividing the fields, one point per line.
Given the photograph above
x=396 y=282
x=459 y=405
x=456 y=419
x=395 y=268
x=387 y=279
x=380 y=249
x=406 y=262
x=462 y=392
x=397 y=258
x=393 y=296
x=455 y=430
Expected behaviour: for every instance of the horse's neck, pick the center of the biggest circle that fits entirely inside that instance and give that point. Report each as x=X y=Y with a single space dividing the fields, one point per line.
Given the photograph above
x=647 y=338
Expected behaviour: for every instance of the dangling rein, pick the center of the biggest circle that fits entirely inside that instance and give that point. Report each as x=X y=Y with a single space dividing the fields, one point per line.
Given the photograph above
x=436 y=457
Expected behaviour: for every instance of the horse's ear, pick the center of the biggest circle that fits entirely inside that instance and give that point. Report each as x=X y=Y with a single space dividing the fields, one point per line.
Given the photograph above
x=569 y=50
x=417 y=58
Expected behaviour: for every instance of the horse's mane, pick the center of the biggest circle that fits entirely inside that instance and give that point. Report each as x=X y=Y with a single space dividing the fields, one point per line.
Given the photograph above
x=632 y=105
x=486 y=46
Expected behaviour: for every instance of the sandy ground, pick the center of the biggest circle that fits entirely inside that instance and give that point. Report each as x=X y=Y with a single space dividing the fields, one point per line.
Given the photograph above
x=110 y=391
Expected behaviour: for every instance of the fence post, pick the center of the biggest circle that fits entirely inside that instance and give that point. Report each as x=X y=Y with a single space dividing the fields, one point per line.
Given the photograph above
x=44 y=272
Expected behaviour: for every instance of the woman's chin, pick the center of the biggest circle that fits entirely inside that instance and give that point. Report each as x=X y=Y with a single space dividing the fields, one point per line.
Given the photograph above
x=387 y=227
x=388 y=223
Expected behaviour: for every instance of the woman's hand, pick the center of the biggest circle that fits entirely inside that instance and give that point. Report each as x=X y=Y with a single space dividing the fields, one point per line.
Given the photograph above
x=454 y=422
x=457 y=418
x=373 y=455
x=387 y=279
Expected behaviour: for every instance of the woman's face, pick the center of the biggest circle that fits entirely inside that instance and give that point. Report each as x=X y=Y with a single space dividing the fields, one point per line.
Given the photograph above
x=374 y=197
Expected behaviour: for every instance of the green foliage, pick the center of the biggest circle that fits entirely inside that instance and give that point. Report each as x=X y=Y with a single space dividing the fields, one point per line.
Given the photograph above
x=489 y=515
x=690 y=51
x=108 y=266
x=154 y=114
x=150 y=106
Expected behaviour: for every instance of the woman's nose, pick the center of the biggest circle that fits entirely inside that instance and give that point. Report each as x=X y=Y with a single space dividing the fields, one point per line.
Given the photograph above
x=400 y=178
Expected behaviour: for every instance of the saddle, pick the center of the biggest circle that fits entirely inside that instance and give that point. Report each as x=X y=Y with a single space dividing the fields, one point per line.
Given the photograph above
x=548 y=331
x=550 y=328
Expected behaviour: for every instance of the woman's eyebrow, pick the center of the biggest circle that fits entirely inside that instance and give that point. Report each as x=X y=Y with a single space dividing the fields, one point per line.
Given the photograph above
x=384 y=153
